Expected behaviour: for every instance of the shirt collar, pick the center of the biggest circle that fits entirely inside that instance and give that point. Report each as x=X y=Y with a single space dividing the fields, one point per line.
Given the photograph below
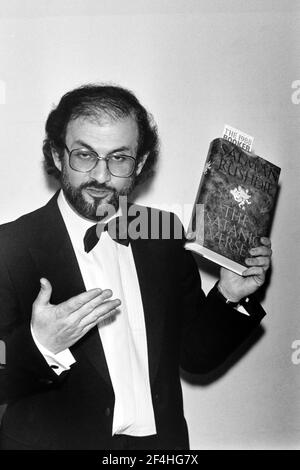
x=75 y=224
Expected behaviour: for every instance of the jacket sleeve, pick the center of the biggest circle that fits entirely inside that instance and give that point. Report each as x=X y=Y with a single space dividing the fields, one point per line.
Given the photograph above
x=26 y=371
x=211 y=330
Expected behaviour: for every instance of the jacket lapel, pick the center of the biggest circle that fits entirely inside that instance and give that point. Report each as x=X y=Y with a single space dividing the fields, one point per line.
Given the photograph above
x=152 y=298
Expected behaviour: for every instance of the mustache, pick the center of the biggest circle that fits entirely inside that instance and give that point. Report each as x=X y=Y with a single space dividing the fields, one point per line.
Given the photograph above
x=96 y=185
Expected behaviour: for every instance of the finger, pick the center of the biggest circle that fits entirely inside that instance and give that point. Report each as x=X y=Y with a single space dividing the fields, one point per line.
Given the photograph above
x=91 y=325
x=89 y=307
x=88 y=326
x=261 y=251
x=259 y=261
x=266 y=241
x=75 y=303
x=254 y=271
x=44 y=294
x=100 y=313
x=98 y=321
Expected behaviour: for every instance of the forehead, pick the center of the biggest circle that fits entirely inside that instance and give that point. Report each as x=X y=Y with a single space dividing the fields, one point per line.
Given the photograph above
x=103 y=133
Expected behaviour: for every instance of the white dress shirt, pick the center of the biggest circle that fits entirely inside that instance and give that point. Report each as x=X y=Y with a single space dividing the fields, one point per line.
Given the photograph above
x=110 y=265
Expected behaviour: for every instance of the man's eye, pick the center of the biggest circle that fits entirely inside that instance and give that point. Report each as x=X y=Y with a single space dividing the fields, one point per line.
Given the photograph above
x=119 y=158
x=84 y=155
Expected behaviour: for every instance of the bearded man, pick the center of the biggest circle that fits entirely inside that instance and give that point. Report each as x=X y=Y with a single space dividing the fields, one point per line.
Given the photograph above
x=97 y=327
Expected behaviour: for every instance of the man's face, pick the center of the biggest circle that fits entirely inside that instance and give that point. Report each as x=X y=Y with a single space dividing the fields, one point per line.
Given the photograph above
x=89 y=192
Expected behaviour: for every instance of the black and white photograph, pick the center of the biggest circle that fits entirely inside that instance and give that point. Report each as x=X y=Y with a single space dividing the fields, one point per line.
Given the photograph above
x=149 y=227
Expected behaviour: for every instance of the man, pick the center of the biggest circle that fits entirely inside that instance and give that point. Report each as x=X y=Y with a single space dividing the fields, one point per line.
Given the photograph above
x=96 y=329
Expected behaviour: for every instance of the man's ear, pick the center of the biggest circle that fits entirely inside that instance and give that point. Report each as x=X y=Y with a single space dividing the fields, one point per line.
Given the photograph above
x=141 y=163
x=56 y=158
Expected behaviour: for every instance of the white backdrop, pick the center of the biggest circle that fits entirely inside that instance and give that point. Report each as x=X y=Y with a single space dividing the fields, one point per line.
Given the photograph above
x=196 y=65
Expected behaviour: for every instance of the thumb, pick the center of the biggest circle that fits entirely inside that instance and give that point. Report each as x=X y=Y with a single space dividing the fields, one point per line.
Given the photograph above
x=44 y=295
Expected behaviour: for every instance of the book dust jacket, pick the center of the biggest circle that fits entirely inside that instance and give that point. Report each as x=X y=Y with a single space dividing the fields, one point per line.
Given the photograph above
x=234 y=205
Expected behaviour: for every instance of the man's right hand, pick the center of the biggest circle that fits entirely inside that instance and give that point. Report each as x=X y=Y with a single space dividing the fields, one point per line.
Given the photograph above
x=57 y=327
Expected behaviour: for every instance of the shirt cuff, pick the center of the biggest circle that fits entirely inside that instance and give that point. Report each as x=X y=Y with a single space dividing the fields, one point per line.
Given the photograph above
x=58 y=362
x=241 y=308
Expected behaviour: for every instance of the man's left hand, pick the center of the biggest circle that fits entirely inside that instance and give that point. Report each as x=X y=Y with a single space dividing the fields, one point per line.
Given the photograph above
x=235 y=287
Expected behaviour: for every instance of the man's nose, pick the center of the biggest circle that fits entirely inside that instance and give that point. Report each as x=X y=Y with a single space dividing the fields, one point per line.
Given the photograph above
x=100 y=173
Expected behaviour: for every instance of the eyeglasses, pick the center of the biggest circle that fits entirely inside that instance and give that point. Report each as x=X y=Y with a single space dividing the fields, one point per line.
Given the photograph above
x=84 y=160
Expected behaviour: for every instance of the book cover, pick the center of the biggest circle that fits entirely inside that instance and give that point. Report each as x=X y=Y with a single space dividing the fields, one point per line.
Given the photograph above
x=234 y=206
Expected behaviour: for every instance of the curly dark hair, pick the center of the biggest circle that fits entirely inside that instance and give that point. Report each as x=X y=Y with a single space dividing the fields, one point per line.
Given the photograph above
x=93 y=101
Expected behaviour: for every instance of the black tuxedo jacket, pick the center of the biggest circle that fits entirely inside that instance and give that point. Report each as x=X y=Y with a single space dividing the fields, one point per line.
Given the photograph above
x=75 y=410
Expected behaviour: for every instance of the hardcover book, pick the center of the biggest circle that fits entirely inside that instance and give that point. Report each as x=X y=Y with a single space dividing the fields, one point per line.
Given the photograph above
x=234 y=206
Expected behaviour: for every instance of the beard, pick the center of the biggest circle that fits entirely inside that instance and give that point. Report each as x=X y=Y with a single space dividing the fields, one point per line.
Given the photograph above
x=98 y=209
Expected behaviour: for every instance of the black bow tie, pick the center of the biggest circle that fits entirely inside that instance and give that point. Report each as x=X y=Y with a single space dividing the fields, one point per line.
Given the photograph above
x=116 y=228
